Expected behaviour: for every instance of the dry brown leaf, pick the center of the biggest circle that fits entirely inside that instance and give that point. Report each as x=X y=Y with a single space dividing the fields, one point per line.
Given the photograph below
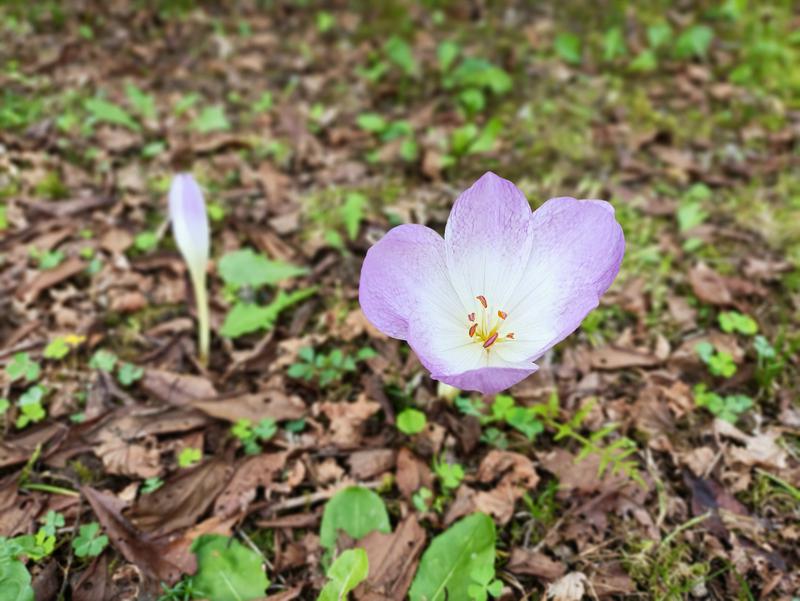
x=273 y=404
x=135 y=459
x=534 y=563
x=18 y=449
x=709 y=286
x=16 y=511
x=516 y=476
x=761 y=449
x=93 y=584
x=612 y=357
x=699 y=460
x=369 y=463
x=393 y=560
x=30 y=291
x=288 y=595
x=412 y=473
x=347 y=420
x=183 y=499
x=176 y=389
x=148 y=555
x=612 y=580
x=571 y=587
x=251 y=474
x=579 y=476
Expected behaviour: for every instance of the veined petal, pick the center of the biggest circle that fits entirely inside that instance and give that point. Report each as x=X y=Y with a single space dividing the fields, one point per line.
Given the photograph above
x=187 y=212
x=577 y=250
x=404 y=270
x=488 y=239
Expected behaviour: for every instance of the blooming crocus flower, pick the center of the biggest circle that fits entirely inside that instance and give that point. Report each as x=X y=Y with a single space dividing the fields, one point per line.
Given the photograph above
x=187 y=212
x=504 y=285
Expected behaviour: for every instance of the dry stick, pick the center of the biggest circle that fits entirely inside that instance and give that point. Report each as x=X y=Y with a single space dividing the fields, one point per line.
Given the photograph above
x=255 y=548
x=70 y=557
x=316 y=497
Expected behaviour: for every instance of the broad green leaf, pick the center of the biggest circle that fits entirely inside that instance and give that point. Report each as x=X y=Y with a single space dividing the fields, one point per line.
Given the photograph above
x=659 y=34
x=479 y=73
x=524 y=420
x=15 y=581
x=690 y=215
x=103 y=360
x=645 y=62
x=245 y=318
x=568 y=48
x=462 y=137
x=22 y=366
x=145 y=104
x=401 y=54
x=614 y=44
x=411 y=421
x=446 y=53
x=446 y=569
x=733 y=321
x=247 y=268
x=227 y=570
x=128 y=373
x=371 y=122
x=353 y=212
x=694 y=42
x=211 y=118
x=346 y=573
x=473 y=100
x=356 y=510
x=283 y=301
x=107 y=112
x=488 y=136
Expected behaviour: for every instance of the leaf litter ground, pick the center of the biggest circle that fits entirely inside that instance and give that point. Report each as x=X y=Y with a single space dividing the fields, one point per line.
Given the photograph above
x=313 y=129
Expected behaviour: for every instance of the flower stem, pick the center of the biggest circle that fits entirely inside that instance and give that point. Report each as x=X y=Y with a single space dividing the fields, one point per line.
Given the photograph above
x=203 y=322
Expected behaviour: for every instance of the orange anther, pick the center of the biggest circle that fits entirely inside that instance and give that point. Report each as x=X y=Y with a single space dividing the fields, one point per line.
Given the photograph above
x=472 y=330
x=483 y=301
x=510 y=335
x=502 y=314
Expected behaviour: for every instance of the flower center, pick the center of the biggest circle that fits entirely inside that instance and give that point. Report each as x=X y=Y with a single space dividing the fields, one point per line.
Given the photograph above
x=486 y=326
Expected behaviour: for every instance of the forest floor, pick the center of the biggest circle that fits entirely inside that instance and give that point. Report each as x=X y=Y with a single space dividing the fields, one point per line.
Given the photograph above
x=655 y=454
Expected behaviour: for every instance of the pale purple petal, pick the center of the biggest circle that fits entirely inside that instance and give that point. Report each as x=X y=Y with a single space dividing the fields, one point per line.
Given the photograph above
x=577 y=251
x=445 y=348
x=488 y=233
x=404 y=270
x=187 y=212
x=488 y=380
